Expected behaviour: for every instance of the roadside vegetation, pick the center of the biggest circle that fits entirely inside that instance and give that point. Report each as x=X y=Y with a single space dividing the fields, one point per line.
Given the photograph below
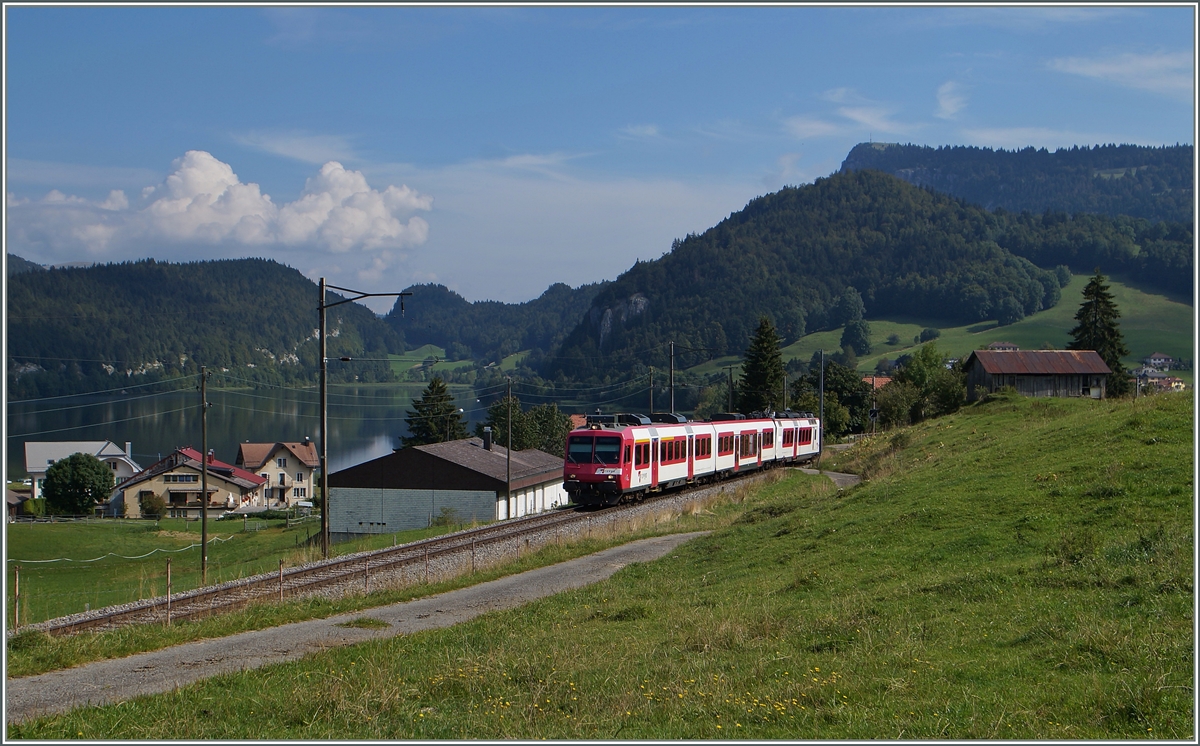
x=1021 y=569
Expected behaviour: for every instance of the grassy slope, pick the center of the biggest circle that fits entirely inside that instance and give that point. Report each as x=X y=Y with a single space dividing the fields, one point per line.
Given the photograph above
x=1150 y=323
x=1022 y=569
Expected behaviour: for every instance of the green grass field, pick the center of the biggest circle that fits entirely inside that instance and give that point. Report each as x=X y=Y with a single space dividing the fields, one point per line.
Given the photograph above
x=1019 y=570
x=51 y=589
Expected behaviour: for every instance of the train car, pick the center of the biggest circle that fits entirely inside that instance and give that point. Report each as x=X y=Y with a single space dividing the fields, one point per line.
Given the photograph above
x=620 y=457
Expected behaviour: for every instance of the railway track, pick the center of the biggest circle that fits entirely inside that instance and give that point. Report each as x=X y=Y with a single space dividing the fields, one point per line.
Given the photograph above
x=420 y=561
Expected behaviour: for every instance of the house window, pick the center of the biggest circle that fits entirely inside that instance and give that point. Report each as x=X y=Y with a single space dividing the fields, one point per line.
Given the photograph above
x=113 y=464
x=299 y=492
x=299 y=477
x=281 y=463
x=282 y=478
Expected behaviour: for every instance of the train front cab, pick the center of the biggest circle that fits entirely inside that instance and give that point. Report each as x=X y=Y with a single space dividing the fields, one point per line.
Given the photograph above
x=597 y=468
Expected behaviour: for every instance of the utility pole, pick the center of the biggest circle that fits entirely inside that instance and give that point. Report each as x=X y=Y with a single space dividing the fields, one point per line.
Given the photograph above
x=321 y=307
x=672 y=378
x=508 y=458
x=783 y=404
x=821 y=412
x=651 y=391
x=730 y=369
x=203 y=475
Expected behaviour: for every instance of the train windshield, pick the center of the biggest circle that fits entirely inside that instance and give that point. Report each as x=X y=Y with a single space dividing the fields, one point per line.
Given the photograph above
x=608 y=451
x=582 y=449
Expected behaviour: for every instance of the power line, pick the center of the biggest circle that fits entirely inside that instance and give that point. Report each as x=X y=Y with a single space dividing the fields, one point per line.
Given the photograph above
x=109 y=391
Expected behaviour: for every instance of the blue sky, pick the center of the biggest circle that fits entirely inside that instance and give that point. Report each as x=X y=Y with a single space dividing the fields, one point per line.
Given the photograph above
x=499 y=150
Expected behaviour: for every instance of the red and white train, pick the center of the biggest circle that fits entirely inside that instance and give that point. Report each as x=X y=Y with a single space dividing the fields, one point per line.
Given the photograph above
x=618 y=457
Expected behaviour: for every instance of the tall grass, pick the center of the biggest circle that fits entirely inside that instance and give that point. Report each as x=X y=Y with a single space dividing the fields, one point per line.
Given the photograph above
x=1020 y=570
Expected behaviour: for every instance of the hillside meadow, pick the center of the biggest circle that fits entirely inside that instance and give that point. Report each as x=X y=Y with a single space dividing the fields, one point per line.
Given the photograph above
x=1149 y=322
x=1020 y=570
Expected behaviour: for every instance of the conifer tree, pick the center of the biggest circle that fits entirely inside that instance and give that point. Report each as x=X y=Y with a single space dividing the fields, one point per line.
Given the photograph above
x=761 y=385
x=436 y=419
x=1098 y=330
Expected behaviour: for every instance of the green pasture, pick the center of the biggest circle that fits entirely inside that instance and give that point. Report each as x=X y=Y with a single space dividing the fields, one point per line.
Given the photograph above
x=1150 y=323
x=67 y=568
x=1020 y=570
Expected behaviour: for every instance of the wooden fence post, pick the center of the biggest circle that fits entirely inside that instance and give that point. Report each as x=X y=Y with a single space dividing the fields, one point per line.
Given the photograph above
x=168 y=591
x=16 y=597
x=281 y=581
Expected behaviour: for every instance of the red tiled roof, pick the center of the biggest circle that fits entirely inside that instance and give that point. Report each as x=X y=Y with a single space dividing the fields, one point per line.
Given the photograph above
x=877 y=381
x=214 y=464
x=1040 y=362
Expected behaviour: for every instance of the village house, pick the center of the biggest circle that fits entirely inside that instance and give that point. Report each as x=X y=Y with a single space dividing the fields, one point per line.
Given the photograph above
x=465 y=480
x=177 y=479
x=1069 y=373
x=1159 y=361
x=40 y=456
x=288 y=469
x=1003 y=347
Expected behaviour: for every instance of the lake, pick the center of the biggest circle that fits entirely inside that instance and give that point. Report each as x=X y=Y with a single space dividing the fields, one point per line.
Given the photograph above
x=365 y=421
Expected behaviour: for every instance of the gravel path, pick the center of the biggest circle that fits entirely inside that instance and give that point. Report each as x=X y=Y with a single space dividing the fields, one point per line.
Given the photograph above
x=117 y=680
x=841 y=480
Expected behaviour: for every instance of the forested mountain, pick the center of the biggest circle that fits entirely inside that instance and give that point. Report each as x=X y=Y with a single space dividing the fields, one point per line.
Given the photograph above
x=489 y=330
x=101 y=327
x=15 y=265
x=1142 y=182
x=794 y=255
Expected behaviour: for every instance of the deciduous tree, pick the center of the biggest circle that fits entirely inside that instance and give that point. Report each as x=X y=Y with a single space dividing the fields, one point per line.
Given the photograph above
x=75 y=484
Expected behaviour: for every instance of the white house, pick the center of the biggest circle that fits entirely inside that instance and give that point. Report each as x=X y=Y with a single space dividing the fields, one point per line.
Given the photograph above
x=40 y=456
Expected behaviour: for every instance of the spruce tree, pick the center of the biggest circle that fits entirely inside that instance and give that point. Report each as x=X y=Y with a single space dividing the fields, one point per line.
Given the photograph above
x=761 y=386
x=436 y=419
x=1099 y=330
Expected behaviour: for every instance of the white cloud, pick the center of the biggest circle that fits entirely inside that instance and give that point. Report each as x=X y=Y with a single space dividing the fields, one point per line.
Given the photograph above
x=202 y=202
x=640 y=131
x=950 y=100
x=340 y=211
x=803 y=128
x=876 y=119
x=1170 y=73
x=317 y=149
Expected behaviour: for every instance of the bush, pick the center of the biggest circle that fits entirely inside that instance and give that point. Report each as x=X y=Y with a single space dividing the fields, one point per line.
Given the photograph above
x=447 y=517
x=927 y=334
x=893 y=339
x=34 y=507
x=153 y=506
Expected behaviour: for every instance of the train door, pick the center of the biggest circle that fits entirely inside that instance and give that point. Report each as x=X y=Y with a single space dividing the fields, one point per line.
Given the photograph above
x=691 y=457
x=654 y=462
x=759 y=439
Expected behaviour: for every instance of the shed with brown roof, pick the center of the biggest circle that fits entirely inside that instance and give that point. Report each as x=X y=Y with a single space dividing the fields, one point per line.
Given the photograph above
x=1067 y=373
x=459 y=481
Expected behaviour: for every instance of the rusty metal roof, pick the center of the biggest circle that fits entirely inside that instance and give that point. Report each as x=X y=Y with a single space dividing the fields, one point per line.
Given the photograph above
x=1040 y=362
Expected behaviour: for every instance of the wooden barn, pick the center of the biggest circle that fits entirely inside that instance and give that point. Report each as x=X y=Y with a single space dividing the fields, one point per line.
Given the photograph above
x=1072 y=373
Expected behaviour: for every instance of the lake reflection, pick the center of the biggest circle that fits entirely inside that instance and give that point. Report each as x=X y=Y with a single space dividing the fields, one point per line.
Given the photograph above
x=364 y=421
